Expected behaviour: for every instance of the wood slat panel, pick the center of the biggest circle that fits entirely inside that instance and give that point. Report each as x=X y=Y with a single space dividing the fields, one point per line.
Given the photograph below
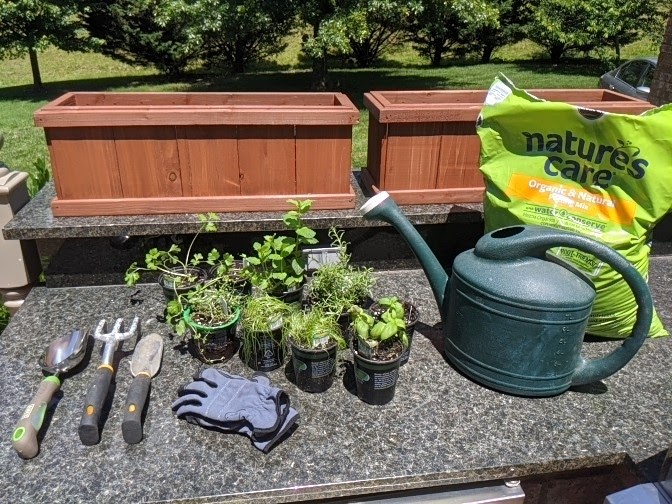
x=267 y=160
x=91 y=99
x=323 y=159
x=149 y=163
x=153 y=206
x=84 y=162
x=412 y=154
x=208 y=160
x=459 y=157
x=375 y=155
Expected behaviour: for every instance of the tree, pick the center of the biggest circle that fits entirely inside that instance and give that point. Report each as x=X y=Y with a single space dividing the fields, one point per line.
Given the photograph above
x=29 y=26
x=661 y=87
x=484 y=39
x=562 y=25
x=614 y=23
x=333 y=24
x=384 y=23
x=439 y=25
x=128 y=31
x=236 y=31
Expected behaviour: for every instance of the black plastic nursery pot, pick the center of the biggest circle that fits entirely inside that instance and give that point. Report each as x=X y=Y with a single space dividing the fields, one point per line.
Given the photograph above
x=215 y=344
x=265 y=351
x=171 y=290
x=290 y=296
x=376 y=380
x=412 y=317
x=314 y=369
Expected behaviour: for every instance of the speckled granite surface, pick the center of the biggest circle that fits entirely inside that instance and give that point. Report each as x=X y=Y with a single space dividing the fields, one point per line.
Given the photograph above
x=35 y=220
x=441 y=428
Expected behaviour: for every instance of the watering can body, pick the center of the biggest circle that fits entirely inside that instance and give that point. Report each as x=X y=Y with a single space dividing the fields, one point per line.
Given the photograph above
x=513 y=319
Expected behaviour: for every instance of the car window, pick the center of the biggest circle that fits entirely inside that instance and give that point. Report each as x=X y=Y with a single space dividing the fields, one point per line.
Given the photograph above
x=647 y=77
x=631 y=72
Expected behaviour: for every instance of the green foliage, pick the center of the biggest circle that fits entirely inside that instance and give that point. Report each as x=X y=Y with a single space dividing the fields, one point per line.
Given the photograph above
x=308 y=329
x=436 y=25
x=211 y=304
x=4 y=318
x=383 y=22
x=391 y=326
x=279 y=264
x=165 y=261
x=261 y=316
x=38 y=176
x=335 y=287
x=237 y=32
x=484 y=39
x=29 y=26
x=561 y=25
x=128 y=31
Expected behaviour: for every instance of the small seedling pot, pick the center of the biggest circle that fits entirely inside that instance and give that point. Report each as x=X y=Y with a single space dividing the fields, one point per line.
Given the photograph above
x=412 y=315
x=294 y=295
x=215 y=344
x=171 y=290
x=314 y=369
x=376 y=380
x=268 y=353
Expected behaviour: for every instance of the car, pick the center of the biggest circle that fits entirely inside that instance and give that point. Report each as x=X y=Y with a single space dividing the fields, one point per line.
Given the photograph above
x=632 y=78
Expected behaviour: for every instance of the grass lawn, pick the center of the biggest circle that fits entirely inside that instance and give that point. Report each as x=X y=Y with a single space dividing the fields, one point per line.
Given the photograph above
x=400 y=69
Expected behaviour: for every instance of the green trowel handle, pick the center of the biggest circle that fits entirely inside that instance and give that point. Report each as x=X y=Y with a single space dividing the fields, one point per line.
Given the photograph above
x=520 y=241
x=24 y=437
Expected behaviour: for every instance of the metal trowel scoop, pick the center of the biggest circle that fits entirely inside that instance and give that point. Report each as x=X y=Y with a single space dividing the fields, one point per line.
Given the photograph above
x=60 y=356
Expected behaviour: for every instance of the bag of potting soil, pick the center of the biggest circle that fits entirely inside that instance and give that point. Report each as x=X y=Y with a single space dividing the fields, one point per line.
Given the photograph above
x=604 y=175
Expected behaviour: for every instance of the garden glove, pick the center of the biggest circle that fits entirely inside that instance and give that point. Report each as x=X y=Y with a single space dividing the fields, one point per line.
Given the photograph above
x=231 y=403
x=265 y=443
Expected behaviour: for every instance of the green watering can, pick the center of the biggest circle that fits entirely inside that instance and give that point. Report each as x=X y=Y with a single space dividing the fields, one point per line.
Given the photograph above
x=514 y=320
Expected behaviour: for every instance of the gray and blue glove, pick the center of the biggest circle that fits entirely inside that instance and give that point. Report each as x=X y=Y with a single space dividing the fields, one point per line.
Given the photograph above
x=231 y=403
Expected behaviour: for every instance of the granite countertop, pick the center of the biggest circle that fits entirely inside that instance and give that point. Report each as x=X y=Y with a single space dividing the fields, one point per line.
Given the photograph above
x=441 y=428
x=35 y=220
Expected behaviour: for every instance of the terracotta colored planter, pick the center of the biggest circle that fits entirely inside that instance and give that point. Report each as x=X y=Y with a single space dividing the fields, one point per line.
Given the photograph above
x=149 y=153
x=423 y=146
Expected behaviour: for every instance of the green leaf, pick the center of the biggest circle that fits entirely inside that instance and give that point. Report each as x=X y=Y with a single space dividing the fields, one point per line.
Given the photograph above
x=306 y=232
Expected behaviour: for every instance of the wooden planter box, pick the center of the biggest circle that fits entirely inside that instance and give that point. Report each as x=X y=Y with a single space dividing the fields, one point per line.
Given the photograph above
x=149 y=153
x=423 y=147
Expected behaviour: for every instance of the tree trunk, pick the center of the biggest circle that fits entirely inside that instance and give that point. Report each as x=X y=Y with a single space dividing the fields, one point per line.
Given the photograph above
x=35 y=67
x=319 y=73
x=487 y=53
x=661 y=87
x=556 y=53
x=437 y=54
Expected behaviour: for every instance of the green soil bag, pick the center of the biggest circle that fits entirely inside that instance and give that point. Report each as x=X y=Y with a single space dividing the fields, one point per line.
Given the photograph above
x=602 y=175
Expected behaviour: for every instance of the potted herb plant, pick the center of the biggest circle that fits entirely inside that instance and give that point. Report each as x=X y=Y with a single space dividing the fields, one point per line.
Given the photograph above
x=263 y=345
x=279 y=268
x=176 y=275
x=377 y=349
x=405 y=309
x=314 y=339
x=224 y=267
x=209 y=315
x=335 y=287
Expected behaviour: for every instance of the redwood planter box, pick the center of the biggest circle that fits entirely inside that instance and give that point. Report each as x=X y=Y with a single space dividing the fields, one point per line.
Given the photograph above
x=149 y=153
x=423 y=147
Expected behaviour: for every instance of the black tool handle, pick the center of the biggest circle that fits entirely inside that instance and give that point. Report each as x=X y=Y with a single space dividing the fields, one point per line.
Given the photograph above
x=89 y=430
x=131 y=427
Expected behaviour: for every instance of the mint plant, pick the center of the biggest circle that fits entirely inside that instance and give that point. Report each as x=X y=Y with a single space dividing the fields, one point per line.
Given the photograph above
x=279 y=264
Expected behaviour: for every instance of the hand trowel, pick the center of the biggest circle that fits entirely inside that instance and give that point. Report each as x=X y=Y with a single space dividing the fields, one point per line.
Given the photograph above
x=61 y=356
x=145 y=364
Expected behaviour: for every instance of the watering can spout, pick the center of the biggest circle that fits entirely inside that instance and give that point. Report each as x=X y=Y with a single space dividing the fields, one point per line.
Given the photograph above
x=382 y=207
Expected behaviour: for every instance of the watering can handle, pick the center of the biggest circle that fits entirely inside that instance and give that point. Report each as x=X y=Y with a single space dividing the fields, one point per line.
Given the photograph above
x=524 y=241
